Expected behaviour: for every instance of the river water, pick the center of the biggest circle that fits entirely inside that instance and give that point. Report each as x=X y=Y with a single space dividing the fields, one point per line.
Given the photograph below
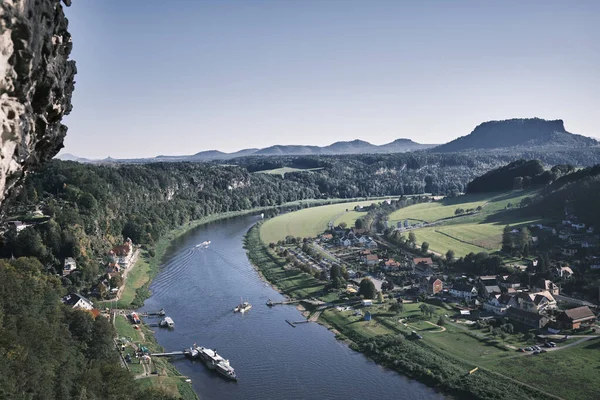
x=199 y=289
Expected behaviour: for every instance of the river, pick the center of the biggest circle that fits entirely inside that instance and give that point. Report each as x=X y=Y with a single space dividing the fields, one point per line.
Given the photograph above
x=199 y=287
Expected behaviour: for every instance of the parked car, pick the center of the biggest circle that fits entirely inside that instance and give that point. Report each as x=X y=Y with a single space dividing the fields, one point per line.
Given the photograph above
x=528 y=349
x=552 y=344
x=543 y=351
x=536 y=352
x=522 y=350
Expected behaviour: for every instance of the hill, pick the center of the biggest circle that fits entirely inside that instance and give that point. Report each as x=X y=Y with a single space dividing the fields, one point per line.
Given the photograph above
x=528 y=132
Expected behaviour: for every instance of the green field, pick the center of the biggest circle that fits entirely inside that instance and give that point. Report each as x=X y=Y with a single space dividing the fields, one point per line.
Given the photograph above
x=309 y=222
x=577 y=365
x=282 y=171
x=445 y=208
x=466 y=238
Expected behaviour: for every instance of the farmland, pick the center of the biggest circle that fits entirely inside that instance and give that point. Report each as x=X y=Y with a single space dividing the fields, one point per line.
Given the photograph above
x=445 y=208
x=309 y=222
x=282 y=171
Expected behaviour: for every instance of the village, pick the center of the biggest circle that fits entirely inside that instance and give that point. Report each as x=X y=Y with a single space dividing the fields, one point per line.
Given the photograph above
x=413 y=275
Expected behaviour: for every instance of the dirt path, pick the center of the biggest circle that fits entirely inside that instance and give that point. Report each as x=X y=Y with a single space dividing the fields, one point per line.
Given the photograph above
x=132 y=262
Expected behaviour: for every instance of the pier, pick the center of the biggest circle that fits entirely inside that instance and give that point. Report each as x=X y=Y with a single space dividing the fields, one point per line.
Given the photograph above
x=173 y=353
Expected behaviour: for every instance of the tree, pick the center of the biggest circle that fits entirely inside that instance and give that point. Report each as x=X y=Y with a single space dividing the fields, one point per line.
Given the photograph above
x=397 y=307
x=507 y=240
x=343 y=225
x=441 y=321
x=459 y=211
x=412 y=238
x=524 y=239
x=450 y=255
x=424 y=247
x=359 y=223
x=367 y=289
x=380 y=297
x=423 y=308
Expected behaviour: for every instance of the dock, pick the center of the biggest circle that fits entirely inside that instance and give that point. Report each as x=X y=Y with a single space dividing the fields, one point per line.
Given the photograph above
x=173 y=353
x=278 y=303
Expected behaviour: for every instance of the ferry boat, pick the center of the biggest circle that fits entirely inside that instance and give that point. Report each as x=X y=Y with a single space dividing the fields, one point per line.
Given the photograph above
x=214 y=361
x=243 y=307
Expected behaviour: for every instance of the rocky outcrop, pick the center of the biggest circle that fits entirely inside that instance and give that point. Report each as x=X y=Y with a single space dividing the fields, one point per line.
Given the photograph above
x=524 y=132
x=36 y=83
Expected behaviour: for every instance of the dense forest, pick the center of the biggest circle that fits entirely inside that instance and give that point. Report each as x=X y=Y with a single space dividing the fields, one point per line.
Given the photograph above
x=48 y=351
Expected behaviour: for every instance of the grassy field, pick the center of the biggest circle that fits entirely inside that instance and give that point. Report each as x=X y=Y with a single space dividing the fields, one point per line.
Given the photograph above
x=309 y=222
x=445 y=208
x=466 y=238
x=282 y=171
x=577 y=365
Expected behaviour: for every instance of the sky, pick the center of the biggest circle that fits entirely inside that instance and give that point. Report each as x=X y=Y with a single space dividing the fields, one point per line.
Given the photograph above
x=178 y=77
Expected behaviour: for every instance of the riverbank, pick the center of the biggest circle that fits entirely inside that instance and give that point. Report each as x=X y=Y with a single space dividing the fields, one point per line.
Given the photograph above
x=385 y=340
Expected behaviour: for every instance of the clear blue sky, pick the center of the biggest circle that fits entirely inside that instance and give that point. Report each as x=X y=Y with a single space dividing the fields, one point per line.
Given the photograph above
x=177 y=77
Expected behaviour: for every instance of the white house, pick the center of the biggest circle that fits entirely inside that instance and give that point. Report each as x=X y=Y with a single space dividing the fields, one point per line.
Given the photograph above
x=77 y=301
x=367 y=302
x=498 y=304
x=463 y=290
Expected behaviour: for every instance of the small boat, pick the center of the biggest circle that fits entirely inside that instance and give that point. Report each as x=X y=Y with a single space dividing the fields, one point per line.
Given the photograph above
x=167 y=323
x=204 y=244
x=270 y=303
x=243 y=307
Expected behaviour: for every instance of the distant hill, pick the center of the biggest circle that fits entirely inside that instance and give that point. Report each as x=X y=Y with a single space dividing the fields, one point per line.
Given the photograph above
x=352 y=147
x=530 y=132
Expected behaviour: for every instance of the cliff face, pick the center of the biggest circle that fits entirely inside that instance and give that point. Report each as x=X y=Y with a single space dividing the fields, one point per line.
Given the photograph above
x=36 y=83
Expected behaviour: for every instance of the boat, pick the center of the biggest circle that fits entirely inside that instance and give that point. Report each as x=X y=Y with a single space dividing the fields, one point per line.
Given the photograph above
x=214 y=361
x=204 y=244
x=167 y=323
x=270 y=303
x=243 y=307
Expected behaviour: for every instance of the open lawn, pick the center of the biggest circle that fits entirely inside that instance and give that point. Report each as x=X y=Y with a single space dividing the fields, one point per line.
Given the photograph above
x=466 y=238
x=309 y=222
x=282 y=171
x=577 y=365
x=445 y=208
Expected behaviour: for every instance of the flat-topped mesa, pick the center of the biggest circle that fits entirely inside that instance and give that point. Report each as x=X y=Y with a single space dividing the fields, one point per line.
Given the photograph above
x=36 y=83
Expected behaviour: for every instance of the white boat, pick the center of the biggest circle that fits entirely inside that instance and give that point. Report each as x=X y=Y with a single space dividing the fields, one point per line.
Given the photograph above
x=215 y=361
x=203 y=244
x=167 y=323
x=243 y=307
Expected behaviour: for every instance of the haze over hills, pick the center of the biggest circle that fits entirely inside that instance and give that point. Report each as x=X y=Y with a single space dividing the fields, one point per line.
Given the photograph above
x=513 y=134
x=518 y=132
x=351 y=147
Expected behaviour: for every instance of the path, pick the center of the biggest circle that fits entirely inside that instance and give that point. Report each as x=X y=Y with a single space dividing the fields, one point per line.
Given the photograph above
x=132 y=262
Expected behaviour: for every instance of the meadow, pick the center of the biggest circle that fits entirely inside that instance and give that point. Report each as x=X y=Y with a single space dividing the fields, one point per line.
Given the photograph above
x=310 y=222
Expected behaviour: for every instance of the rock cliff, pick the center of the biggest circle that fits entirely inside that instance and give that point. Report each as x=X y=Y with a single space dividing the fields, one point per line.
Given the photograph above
x=36 y=83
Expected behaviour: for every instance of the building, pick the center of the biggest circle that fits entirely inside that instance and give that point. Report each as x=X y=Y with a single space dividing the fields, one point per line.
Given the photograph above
x=69 y=266
x=423 y=270
x=423 y=260
x=122 y=254
x=547 y=285
x=391 y=265
x=562 y=272
x=367 y=302
x=538 y=302
x=372 y=259
x=77 y=301
x=573 y=318
x=431 y=285
x=498 y=303
x=463 y=290
x=527 y=318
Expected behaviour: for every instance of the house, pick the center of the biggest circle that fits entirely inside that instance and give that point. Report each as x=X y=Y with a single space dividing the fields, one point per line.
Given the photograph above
x=346 y=242
x=545 y=284
x=122 y=254
x=463 y=290
x=69 y=266
x=113 y=270
x=562 y=272
x=431 y=285
x=423 y=260
x=364 y=240
x=423 y=270
x=527 y=318
x=367 y=302
x=573 y=318
x=391 y=265
x=363 y=255
x=498 y=303
x=568 y=251
x=533 y=302
x=371 y=244
x=512 y=281
x=19 y=226
x=372 y=259
x=326 y=237
x=77 y=301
